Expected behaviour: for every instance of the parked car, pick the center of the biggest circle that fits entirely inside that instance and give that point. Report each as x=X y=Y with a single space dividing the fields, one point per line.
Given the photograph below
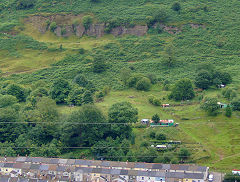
x=210 y=177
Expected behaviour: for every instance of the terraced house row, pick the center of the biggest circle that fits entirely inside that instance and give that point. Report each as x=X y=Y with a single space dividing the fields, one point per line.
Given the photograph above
x=53 y=169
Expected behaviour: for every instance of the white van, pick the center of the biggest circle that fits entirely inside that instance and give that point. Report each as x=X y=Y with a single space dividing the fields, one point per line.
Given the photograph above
x=210 y=177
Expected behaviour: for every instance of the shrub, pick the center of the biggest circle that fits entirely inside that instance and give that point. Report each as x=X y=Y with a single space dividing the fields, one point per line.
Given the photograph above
x=151 y=98
x=184 y=154
x=161 y=136
x=143 y=84
x=87 y=21
x=183 y=90
x=152 y=134
x=81 y=80
x=210 y=106
x=229 y=93
x=228 y=111
x=152 y=78
x=176 y=6
x=99 y=95
x=63 y=31
x=236 y=104
x=25 y=4
x=53 y=26
x=155 y=118
x=157 y=102
x=110 y=25
x=7 y=100
x=150 y=21
x=81 y=51
x=144 y=144
x=18 y=91
x=160 y=16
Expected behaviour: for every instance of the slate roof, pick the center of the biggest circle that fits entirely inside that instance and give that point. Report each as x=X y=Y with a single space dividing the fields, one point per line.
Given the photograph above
x=37 y=159
x=44 y=167
x=115 y=171
x=54 y=161
x=35 y=166
x=18 y=165
x=63 y=161
x=194 y=175
x=3 y=179
x=124 y=172
x=23 y=180
x=8 y=165
x=157 y=166
x=21 y=159
x=175 y=175
x=139 y=165
x=61 y=168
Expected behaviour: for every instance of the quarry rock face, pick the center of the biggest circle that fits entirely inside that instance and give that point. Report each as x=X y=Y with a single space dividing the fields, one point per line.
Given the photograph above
x=96 y=30
x=137 y=30
x=65 y=27
x=80 y=30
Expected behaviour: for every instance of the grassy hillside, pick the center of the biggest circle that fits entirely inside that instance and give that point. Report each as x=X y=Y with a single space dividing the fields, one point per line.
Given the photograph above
x=27 y=56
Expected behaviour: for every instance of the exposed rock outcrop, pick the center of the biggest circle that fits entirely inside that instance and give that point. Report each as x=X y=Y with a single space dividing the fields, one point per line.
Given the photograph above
x=96 y=30
x=137 y=30
x=65 y=27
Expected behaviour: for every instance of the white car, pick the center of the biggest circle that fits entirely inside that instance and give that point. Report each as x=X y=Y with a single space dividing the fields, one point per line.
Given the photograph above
x=210 y=177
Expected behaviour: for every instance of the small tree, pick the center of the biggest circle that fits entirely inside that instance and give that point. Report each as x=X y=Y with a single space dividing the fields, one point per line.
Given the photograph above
x=53 y=26
x=161 y=136
x=228 y=111
x=143 y=84
x=87 y=21
x=87 y=97
x=99 y=65
x=125 y=74
x=203 y=79
x=184 y=154
x=210 y=106
x=236 y=104
x=155 y=118
x=183 y=90
x=81 y=80
x=160 y=16
x=176 y=6
x=152 y=134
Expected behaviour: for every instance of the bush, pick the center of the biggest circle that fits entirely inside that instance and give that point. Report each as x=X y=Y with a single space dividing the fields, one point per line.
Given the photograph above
x=210 y=106
x=176 y=6
x=152 y=134
x=183 y=90
x=87 y=21
x=53 y=26
x=155 y=118
x=25 y=4
x=152 y=78
x=157 y=102
x=160 y=16
x=7 y=100
x=236 y=104
x=151 y=98
x=18 y=91
x=228 y=111
x=161 y=136
x=143 y=84
x=229 y=93
x=81 y=80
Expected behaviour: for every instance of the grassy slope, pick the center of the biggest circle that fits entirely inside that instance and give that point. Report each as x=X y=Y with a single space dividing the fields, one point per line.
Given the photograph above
x=219 y=136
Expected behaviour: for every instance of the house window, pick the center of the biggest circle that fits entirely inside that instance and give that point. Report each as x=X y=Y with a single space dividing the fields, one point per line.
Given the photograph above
x=142 y=178
x=6 y=169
